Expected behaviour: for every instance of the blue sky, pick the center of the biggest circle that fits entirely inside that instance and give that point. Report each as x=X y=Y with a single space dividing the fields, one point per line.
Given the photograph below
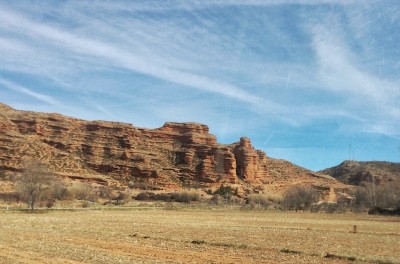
x=303 y=79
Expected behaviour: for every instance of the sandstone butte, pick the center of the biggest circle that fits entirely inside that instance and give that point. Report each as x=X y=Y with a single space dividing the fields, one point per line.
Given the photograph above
x=174 y=156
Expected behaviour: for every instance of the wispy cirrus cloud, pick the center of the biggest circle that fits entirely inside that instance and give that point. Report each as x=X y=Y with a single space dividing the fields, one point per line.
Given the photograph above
x=342 y=71
x=339 y=71
x=24 y=90
x=122 y=58
x=243 y=67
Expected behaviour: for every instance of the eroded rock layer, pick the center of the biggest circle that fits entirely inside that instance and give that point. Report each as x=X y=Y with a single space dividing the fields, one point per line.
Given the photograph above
x=173 y=156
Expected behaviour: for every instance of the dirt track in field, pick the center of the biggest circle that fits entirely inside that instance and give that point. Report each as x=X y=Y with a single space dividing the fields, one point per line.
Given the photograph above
x=160 y=236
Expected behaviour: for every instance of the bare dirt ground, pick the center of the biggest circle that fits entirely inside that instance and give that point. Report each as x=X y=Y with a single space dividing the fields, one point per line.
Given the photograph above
x=190 y=236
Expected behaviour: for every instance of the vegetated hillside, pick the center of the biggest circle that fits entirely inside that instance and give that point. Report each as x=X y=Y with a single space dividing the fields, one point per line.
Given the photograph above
x=116 y=154
x=357 y=172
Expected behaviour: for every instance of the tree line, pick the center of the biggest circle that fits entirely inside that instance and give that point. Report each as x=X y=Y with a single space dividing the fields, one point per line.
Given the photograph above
x=36 y=184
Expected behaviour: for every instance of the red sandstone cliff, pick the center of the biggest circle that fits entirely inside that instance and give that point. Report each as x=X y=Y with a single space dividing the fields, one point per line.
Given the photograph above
x=111 y=153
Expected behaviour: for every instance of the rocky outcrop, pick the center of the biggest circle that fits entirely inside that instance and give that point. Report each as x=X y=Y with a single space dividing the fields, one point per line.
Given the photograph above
x=172 y=156
x=359 y=173
x=251 y=164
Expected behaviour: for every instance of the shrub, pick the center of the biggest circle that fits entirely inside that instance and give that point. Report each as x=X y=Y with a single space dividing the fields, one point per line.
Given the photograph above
x=120 y=196
x=169 y=206
x=362 y=199
x=161 y=197
x=224 y=190
x=142 y=196
x=85 y=204
x=388 y=196
x=298 y=198
x=83 y=191
x=258 y=199
x=369 y=196
x=10 y=197
x=274 y=198
x=327 y=207
x=60 y=191
x=216 y=200
x=236 y=200
x=50 y=204
x=186 y=196
x=105 y=192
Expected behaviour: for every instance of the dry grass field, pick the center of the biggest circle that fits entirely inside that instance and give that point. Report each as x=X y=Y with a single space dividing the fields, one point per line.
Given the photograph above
x=196 y=236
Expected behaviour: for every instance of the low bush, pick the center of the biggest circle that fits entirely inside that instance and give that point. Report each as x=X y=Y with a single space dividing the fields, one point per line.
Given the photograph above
x=154 y=196
x=161 y=197
x=10 y=197
x=259 y=200
x=142 y=196
x=169 y=206
x=82 y=191
x=181 y=196
x=327 y=207
x=224 y=190
x=186 y=196
x=299 y=198
x=60 y=191
x=85 y=204
x=105 y=192
x=49 y=204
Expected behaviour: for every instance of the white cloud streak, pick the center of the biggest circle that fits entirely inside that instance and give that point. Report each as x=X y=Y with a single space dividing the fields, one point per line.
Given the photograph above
x=124 y=58
x=374 y=100
x=23 y=90
x=342 y=75
x=195 y=53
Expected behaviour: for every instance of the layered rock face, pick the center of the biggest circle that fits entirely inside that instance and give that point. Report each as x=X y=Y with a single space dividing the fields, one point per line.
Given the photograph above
x=175 y=155
x=251 y=164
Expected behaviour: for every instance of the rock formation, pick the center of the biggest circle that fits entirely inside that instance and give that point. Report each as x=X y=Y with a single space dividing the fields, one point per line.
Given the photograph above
x=358 y=173
x=113 y=153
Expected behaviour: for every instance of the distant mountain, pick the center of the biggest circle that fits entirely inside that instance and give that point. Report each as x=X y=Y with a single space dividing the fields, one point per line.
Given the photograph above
x=357 y=172
x=177 y=155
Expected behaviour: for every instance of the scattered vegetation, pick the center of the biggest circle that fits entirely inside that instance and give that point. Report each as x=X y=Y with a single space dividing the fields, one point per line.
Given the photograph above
x=119 y=198
x=289 y=251
x=60 y=191
x=10 y=197
x=264 y=200
x=299 y=198
x=186 y=196
x=104 y=192
x=260 y=200
x=225 y=190
x=143 y=196
x=36 y=186
x=335 y=256
x=180 y=196
x=34 y=183
x=371 y=196
x=83 y=191
x=327 y=207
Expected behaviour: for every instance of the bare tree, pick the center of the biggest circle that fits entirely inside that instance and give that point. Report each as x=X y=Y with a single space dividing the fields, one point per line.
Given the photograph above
x=299 y=198
x=33 y=182
x=369 y=196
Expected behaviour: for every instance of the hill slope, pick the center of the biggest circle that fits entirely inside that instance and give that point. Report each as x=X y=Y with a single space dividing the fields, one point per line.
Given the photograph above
x=171 y=157
x=357 y=172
